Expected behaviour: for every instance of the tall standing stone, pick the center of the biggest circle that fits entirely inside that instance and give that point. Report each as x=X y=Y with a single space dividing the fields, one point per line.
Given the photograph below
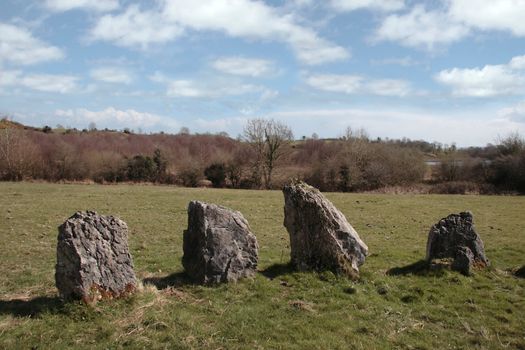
x=455 y=237
x=320 y=236
x=93 y=259
x=218 y=245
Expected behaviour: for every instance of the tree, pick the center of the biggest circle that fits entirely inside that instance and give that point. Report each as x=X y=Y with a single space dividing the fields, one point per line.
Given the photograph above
x=269 y=139
x=161 y=164
x=344 y=174
x=216 y=173
x=141 y=168
x=18 y=155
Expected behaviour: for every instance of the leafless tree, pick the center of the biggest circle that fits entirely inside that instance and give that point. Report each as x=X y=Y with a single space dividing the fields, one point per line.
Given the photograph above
x=270 y=139
x=17 y=155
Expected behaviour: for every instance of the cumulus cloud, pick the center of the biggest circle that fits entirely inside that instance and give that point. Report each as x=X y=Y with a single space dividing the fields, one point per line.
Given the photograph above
x=452 y=21
x=41 y=82
x=515 y=113
x=135 y=28
x=19 y=46
x=355 y=84
x=421 y=28
x=112 y=75
x=488 y=81
x=240 y=18
x=115 y=118
x=503 y=15
x=211 y=89
x=92 y=5
x=244 y=66
x=378 y=5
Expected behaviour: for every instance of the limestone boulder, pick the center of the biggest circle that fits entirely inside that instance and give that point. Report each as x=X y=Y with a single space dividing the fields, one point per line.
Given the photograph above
x=218 y=245
x=93 y=259
x=455 y=238
x=320 y=236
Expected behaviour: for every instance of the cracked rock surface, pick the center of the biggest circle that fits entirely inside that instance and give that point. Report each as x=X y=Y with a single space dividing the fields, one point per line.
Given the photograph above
x=93 y=259
x=320 y=236
x=218 y=245
x=455 y=237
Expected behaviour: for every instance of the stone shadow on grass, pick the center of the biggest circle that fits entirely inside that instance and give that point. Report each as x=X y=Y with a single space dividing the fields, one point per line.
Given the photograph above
x=277 y=270
x=418 y=268
x=31 y=307
x=176 y=280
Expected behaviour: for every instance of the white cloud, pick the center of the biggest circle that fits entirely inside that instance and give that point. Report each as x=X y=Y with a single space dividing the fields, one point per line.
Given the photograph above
x=244 y=66
x=189 y=88
x=92 y=5
x=504 y=15
x=406 y=61
x=41 y=82
x=515 y=113
x=348 y=84
x=115 y=118
x=451 y=21
x=135 y=28
x=517 y=62
x=19 y=46
x=355 y=84
x=421 y=28
x=302 y=3
x=491 y=80
x=211 y=89
x=379 y=5
x=112 y=75
x=389 y=87
x=240 y=18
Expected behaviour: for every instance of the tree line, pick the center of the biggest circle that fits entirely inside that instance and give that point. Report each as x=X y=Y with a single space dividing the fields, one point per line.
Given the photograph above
x=264 y=157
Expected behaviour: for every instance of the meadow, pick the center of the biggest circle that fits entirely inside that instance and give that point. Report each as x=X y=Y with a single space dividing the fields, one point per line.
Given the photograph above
x=395 y=304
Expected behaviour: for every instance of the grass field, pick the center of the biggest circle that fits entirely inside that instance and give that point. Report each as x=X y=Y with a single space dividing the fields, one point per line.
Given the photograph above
x=393 y=305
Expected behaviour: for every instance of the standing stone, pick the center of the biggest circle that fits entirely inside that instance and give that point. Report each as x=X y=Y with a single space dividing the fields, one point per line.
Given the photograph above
x=218 y=245
x=455 y=237
x=93 y=259
x=320 y=236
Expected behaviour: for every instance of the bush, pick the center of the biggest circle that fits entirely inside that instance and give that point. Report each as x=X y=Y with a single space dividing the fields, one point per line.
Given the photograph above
x=508 y=173
x=190 y=177
x=216 y=173
x=141 y=168
x=455 y=187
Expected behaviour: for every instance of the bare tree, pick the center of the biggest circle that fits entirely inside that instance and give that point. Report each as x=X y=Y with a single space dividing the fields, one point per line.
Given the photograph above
x=269 y=139
x=18 y=155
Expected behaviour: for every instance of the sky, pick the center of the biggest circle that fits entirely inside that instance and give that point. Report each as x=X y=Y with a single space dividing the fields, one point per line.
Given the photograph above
x=448 y=71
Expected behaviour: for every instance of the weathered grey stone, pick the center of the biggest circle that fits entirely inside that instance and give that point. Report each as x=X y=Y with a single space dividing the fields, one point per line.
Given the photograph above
x=218 y=245
x=93 y=259
x=455 y=237
x=320 y=236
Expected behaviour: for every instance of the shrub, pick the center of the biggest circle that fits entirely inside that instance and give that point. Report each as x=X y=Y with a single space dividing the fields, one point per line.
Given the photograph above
x=190 y=177
x=141 y=168
x=216 y=173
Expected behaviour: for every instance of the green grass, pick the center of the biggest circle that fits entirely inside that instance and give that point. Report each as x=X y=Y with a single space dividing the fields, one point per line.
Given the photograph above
x=279 y=308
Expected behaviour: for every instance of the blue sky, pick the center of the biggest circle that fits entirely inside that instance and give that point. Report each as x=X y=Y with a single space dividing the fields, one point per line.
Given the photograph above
x=438 y=70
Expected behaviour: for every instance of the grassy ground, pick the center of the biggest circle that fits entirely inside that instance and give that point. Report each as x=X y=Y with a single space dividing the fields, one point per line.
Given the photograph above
x=392 y=306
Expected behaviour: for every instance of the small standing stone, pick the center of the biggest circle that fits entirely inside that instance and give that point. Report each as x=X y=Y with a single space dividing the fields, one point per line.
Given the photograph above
x=93 y=259
x=455 y=237
x=218 y=245
x=320 y=236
